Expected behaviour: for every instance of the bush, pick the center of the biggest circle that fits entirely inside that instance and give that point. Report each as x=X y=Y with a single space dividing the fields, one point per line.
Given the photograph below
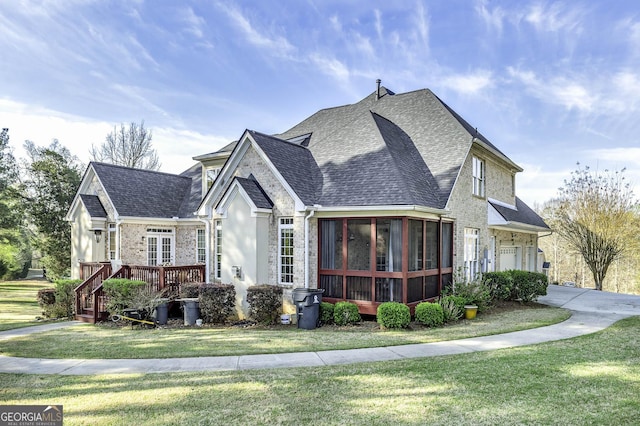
x=500 y=284
x=217 y=302
x=527 y=286
x=120 y=293
x=393 y=315
x=452 y=307
x=326 y=313
x=346 y=313
x=46 y=297
x=475 y=292
x=429 y=314
x=265 y=303
x=65 y=297
x=189 y=290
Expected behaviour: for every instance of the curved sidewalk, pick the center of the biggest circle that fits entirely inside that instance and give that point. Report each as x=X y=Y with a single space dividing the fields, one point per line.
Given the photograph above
x=592 y=312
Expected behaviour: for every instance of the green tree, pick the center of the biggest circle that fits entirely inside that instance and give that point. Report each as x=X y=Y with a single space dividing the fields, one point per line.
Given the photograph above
x=15 y=253
x=53 y=176
x=596 y=217
x=129 y=147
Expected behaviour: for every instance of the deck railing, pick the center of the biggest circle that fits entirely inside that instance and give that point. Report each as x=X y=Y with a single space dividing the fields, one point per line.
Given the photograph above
x=90 y=297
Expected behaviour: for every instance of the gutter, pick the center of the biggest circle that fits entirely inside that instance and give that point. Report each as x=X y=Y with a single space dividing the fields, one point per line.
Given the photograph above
x=306 y=244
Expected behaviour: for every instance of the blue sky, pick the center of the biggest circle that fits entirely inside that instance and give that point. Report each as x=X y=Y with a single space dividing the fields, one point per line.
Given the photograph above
x=550 y=83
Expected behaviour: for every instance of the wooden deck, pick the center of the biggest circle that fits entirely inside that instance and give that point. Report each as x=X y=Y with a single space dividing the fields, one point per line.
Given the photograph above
x=91 y=300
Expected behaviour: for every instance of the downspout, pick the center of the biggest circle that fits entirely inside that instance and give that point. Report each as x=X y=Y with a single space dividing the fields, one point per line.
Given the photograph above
x=207 y=247
x=306 y=245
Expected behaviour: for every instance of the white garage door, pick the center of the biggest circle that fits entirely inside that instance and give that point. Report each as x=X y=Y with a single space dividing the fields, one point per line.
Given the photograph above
x=509 y=258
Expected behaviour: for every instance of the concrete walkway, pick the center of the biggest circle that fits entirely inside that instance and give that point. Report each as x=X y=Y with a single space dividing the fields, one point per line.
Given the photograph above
x=591 y=311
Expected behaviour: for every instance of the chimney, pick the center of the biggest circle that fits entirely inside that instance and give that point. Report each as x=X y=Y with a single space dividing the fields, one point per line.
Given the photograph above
x=378 y=81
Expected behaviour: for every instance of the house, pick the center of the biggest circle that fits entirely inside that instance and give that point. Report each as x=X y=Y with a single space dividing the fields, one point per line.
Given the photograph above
x=381 y=200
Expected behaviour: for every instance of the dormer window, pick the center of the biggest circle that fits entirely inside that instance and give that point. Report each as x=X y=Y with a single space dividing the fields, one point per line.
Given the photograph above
x=478 y=177
x=211 y=176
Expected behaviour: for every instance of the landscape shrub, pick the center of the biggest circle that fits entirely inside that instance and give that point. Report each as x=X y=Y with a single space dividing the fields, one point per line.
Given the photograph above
x=345 y=313
x=189 y=290
x=474 y=292
x=217 y=302
x=452 y=307
x=265 y=303
x=120 y=293
x=500 y=284
x=429 y=314
x=393 y=315
x=527 y=286
x=326 y=313
x=146 y=300
x=46 y=296
x=65 y=298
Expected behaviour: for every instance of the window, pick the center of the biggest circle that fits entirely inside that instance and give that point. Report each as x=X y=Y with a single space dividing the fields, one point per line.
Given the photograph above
x=211 y=176
x=217 y=224
x=415 y=244
x=201 y=246
x=285 y=249
x=160 y=246
x=358 y=244
x=431 y=261
x=447 y=244
x=331 y=236
x=112 y=241
x=471 y=253
x=478 y=177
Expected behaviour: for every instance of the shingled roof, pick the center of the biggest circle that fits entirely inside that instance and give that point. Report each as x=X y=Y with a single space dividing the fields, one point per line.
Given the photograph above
x=93 y=205
x=398 y=149
x=256 y=193
x=145 y=193
x=520 y=214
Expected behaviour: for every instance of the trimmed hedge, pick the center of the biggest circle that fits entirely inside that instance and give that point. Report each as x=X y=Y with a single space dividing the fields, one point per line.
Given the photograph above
x=346 y=313
x=217 y=302
x=58 y=302
x=429 y=314
x=393 y=315
x=189 y=290
x=120 y=293
x=326 y=313
x=46 y=297
x=523 y=286
x=265 y=303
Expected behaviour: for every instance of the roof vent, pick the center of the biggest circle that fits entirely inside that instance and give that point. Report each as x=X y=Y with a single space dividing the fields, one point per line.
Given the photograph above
x=378 y=81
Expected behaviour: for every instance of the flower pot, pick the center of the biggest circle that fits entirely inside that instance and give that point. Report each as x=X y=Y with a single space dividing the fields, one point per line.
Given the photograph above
x=470 y=311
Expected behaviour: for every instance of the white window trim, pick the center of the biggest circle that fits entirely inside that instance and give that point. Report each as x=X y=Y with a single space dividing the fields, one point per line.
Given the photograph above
x=160 y=233
x=479 y=174
x=201 y=232
x=217 y=266
x=471 y=252
x=112 y=232
x=281 y=227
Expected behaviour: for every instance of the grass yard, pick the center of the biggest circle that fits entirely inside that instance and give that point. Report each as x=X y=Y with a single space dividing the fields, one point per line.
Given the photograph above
x=592 y=379
x=18 y=305
x=86 y=341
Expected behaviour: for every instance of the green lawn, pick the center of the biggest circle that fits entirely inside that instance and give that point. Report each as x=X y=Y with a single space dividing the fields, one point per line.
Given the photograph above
x=18 y=305
x=592 y=379
x=87 y=341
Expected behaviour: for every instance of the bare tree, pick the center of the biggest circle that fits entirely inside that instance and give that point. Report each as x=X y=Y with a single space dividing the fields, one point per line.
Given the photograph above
x=596 y=217
x=130 y=147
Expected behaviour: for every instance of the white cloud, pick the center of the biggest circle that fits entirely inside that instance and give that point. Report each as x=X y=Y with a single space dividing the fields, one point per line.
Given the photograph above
x=331 y=67
x=555 y=17
x=470 y=84
x=493 y=19
x=194 y=24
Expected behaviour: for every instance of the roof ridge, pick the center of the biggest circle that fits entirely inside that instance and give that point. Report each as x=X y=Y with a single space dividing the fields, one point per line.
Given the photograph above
x=139 y=170
x=278 y=139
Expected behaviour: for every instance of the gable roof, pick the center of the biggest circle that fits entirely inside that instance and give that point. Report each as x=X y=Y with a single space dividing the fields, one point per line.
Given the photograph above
x=519 y=214
x=146 y=193
x=255 y=192
x=93 y=205
x=398 y=149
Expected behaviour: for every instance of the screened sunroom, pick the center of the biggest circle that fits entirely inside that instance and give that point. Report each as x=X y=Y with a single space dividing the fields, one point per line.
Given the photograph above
x=368 y=261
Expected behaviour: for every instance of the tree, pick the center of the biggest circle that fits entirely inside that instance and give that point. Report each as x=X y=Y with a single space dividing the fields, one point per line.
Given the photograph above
x=15 y=252
x=129 y=147
x=53 y=176
x=596 y=217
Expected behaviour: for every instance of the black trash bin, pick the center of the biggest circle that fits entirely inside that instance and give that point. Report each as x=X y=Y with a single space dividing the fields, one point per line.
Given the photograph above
x=307 y=301
x=191 y=311
x=162 y=314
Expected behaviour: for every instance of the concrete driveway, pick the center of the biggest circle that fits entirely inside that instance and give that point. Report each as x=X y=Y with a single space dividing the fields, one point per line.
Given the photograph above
x=590 y=300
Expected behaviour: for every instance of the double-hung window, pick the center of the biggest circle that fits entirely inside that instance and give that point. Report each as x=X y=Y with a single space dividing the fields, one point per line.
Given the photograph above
x=201 y=246
x=285 y=250
x=112 y=241
x=478 y=177
x=217 y=224
x=471 y=253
